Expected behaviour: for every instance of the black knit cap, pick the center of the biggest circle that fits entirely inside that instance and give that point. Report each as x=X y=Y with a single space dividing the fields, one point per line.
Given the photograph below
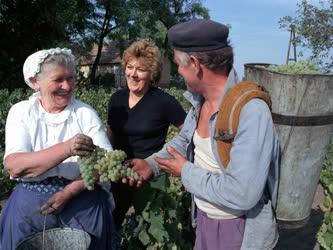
x=198 y=35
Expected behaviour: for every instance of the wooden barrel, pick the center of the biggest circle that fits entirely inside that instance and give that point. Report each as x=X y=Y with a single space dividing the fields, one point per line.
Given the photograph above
x=302 y=110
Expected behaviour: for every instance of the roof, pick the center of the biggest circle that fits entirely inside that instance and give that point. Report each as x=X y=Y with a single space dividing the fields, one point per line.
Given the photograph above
x=111 y=54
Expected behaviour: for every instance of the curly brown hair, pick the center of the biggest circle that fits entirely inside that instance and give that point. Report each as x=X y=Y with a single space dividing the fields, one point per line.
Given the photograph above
x=146 y=51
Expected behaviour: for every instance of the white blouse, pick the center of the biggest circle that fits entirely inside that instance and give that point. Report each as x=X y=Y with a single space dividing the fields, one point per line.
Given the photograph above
x=30 y=128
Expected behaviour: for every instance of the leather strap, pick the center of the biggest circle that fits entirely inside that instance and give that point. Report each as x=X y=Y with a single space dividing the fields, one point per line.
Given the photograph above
x=229 y=112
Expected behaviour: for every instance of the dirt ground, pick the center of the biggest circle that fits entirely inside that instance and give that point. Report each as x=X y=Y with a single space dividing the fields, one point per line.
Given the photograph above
x=294 y=239
x=304 y=238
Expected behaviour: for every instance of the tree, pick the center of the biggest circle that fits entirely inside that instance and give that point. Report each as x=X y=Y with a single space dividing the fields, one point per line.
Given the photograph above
x=27 y=26
x=128 y=20
x=153 y=18
x=109 y=16
x=314 y=30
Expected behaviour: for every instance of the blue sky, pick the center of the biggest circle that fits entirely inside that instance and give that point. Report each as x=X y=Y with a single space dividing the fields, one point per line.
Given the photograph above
x=255 y=34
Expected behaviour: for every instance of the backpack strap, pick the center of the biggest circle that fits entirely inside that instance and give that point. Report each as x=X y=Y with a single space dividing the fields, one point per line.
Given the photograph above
x=228 y=115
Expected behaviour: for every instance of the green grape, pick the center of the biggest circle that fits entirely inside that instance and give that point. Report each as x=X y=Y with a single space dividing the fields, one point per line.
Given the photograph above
x=300 y=67
x=88 y=167
x=103 y=166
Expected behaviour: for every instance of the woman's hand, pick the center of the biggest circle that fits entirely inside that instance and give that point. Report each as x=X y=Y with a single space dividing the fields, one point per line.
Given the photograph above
x=57 y=202
x=80 y=145
x=142 y=168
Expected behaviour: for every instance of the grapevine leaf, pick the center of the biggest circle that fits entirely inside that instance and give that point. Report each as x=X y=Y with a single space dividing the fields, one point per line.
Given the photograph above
x=144 y=237
x=330 y=188
x=157 y=229
x=160 y=183
x=172 y=213
x=145 y=215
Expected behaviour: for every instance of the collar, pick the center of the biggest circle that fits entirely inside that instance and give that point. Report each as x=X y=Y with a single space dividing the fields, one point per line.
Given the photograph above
x=49 y=118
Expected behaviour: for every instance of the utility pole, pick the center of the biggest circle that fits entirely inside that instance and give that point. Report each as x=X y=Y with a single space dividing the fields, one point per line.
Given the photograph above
x=292 y=42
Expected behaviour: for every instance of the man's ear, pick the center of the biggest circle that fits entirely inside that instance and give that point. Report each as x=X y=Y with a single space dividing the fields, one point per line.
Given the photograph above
x=196 y=64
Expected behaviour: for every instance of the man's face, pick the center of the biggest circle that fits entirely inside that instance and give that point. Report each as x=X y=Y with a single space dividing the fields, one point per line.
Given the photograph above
x=186 y=71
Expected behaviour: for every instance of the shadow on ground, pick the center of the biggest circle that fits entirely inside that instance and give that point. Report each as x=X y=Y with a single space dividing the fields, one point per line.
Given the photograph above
x=302 y=238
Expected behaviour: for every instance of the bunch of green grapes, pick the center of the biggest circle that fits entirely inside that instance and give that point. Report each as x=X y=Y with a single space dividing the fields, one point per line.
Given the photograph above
x=88 y=167
x=176 y=186
x=300 y=67
x=102 y=166
x=111 y=168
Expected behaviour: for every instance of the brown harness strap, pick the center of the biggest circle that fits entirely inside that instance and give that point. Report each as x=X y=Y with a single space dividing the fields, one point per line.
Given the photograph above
x=228 y=115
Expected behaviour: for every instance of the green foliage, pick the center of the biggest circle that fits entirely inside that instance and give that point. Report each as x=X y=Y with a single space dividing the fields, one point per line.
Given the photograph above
x=314 y=30
x=178 y=94
x=161 y=219
x=325 y=234
x=155 y=17
x=27 y=26
x=300 y=67
x=98 y=98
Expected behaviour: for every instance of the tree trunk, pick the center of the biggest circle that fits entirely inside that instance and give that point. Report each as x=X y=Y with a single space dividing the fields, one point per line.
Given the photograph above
x=96 y=62
x=104 y=31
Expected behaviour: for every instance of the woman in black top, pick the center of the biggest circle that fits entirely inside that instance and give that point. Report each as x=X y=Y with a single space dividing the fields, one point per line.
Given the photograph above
x=139 y=116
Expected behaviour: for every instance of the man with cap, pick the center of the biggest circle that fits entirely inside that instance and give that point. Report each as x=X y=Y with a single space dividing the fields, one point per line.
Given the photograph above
x=233 y=204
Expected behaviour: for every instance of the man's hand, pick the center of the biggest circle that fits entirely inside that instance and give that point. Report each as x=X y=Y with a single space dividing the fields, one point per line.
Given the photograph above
x=56 y=203
x=80 y=145
x=174 y=165
x=142 y=168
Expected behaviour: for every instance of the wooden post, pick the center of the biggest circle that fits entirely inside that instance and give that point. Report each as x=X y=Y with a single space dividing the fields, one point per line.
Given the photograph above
x=293 y=43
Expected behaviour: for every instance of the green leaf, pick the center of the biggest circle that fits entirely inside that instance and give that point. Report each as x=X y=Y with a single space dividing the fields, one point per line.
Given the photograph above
x=330 y=188
x=145 y=215
x=144 y=237
x=172 y=213
x=158 y=232
x=161 y=183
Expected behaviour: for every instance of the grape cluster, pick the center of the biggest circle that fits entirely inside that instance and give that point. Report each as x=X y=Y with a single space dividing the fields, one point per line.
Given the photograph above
x=300 y=67
x=102 y=166
x=88 y=165
x=176 y=186
x=111 y=168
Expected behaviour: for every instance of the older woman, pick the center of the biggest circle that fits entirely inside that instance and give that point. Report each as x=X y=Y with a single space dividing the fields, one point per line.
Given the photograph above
x=139 y=116
x=44 y=137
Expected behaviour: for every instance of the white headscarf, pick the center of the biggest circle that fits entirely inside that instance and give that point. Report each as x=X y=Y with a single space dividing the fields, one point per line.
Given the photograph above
x=32 y=64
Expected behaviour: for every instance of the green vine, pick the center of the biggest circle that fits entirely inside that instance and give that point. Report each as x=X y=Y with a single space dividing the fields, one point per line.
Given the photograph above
x=325 y=233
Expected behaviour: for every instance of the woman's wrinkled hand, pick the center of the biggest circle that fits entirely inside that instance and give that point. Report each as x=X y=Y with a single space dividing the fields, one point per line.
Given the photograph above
x=80 y=145
x=56 y=202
